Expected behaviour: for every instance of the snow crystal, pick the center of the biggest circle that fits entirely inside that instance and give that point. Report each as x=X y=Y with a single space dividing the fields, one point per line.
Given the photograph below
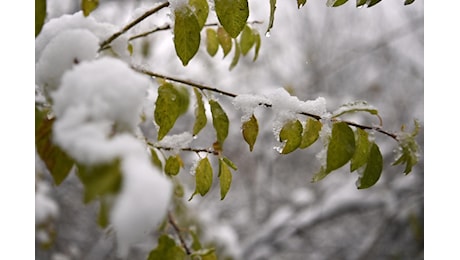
x=142 y=203
x=61 y=54
x=177 y=4
x=248 y=103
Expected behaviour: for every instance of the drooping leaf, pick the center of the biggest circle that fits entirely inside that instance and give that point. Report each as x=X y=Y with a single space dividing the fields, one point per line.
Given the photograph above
x=272 y=15
x=56 y=160
x=310 y=133
x=321 y=174
x=232 y=14
x=196 y=244
x=224 y=40
x=361 y=155
x=250 y=130
x=203 y=176
x=291 y=134
x=360 y=3
x=341 y=146
x=408 y=151
x=172 y=165
x=104 y=213
x=186 y=34
x=200 y=113
x=258 y=42
x=40 y=15
x=301 y=3
x=247 y=40
x=155 y=159
x=373 y=168
x=225 y=178
x=167 y=249
x=336 y=3
x=373 y=2
x=220 y=121
x=172 y=101
x=201 y=9
x=212 y=42
x=100 y=180
x=408 y=2
x=236 y=57
x=230 y=163
x=88 y=6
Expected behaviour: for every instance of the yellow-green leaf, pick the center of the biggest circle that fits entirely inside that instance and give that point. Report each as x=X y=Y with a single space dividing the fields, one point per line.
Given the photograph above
x=291 y=133
x=236 y=57
x=258 y=42
x=341 y=146
x=339 y=2
x=40 y=15
x=361 y=155
x=224 y=40
x=232 y=14
x=172 y=165
x=247 y=40
x=56 y=160
x=229 y=163
x=155 y=159
x=310 y=133
x=167 y=249
x=373 y=2
x=186 y=34
x=250 y=130
x=201 y=9
x=172 y=101
x=373 y=168
x=100 y=180
x=360 y=3
x=88 y=6
x=200 y=113
x=301 y=3
x=220 y=121
x=225 y=178
x=319 y=175
x=272 y=15
x=196 y=244
x=212 y=42
x=203 y=176
x=104 y=213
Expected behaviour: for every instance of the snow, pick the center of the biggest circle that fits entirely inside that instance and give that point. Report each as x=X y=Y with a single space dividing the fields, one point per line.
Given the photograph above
x=247 y=103
x=176 y=142
x=45 y=207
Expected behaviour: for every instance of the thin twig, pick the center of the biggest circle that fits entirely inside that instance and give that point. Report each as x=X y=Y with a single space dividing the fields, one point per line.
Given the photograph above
x=176 y=228
x=132 y=24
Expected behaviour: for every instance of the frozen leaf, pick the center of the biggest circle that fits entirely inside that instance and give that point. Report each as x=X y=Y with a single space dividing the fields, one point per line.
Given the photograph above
x=236 y=58
x=361 y=155
x=212 y=42
x=171 y=103
x=232 y=14
x=301 y=3
x=88 y=6
x=224 y=40
x=203 y=176
x=56 y=160
x=373 y=168
x=40 y=15
x=225 y=178
x=172 y=165
x=200 y=113
x=408 y=151
x=341 y=146
x=186 y=34
x=311 y=133
x=220 y=121
x=167 y=249
x=291 y=133
x=201 y=9
x=155 y=159
x=272 y=15
x=100 y=180
x=247 y=40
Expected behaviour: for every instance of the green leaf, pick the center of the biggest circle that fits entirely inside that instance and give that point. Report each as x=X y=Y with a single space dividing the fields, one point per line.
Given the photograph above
x=339 y=2
x=408 y=151
x=247 y=40
x=40 y=15
x=196 y=244
x=373 y=2
x=236 y=58
x=104 y=213
x=224 y=40
x=360 y=3
x=232 y=14
x=172 y=101
x=225 y=178
x=311 y=133
x=229 y=163
x=205 y=254
x=258 y=42
x=319 y=175
x=341 y=146
x=373 y=169
x=186 y=34
x=167 y=249
x=100 y=180
x=201 y=9
x=88 y=6
x=408 y=2
x=172 y=165
x=291 y=133
x=203 y=176
x=220 y=121
x=361 y=155
x=250 y=130
x=56 y=160
x=272 y=15
x=155 y=159
x=212 y=42
x=301 y=3
x=200 y=113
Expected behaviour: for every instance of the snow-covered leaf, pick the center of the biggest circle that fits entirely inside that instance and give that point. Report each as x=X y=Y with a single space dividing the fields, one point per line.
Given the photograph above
x=361 y=155
x=225 y=178
x=201 y=9
x=172 y=101
x=167 y=249
x=250 y=130
x=200 y=113
x=272 y=15
x=212 y=42
x=40 y=15
x=224 y=40
x=88 y=6
x=291 y=134
x=353 y=107
x=173 y=164
x=232 y=14
x=408 y=151
x=236 y=57
x=373 y=168
x=247 y=40
x=220 y=121
x=186 y=34
x=341 y=146
x=310 y=133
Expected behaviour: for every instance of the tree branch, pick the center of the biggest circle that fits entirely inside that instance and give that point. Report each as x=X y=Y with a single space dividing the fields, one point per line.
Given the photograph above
x=176 y=228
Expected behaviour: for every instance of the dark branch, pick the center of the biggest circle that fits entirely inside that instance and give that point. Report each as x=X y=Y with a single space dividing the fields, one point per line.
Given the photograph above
x=176 y=228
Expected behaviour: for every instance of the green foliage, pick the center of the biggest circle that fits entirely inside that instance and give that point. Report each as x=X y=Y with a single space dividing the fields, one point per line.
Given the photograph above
x=203 y=177
x=40 y=15
x=200 y=113
x=186 y=34
x=373 y=2
x=311 y=133
x=408 y=2
x=167 y=249
x=373 y=168
x=250 y=130
x=155 y=159
x=220 y=121
x=201 y=9
x=88 y=6
x=272 y=16
x=104 y=211
x=236 y=58
x=301 y=3
x=225 y=40
x=212 y=42
x=232 y=14
x=225 y=178
x=360 y=2
x=409 y=151
x=341 y=146
x=291 y=134
x=335 y=3
x=172 y=165
x=363 y=145
x=248 y=39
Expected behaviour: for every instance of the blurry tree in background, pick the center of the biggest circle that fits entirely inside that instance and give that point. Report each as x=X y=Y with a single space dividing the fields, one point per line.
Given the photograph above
x=222 y=159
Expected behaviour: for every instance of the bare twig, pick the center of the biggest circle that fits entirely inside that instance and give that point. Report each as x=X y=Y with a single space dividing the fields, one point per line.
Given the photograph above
x=176 y=228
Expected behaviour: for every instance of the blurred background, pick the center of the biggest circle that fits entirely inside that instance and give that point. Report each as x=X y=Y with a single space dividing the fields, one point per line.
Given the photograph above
x=272 y=210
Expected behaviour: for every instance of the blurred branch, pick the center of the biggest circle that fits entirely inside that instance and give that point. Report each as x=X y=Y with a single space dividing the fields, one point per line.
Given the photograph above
x=176 y=228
